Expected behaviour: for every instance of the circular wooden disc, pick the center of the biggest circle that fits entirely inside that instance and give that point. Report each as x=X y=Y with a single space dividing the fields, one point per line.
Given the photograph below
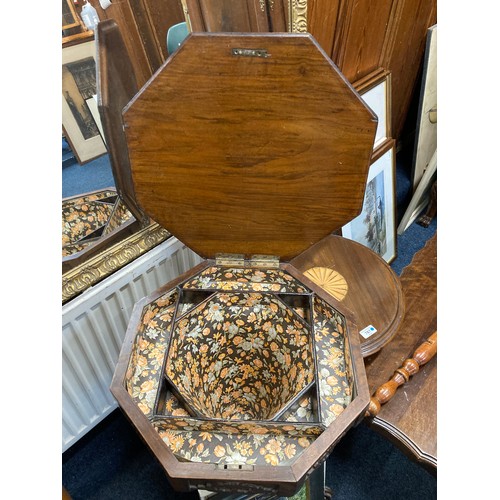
x=373 y=291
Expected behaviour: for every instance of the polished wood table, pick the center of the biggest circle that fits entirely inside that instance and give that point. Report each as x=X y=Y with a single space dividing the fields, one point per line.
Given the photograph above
x=409 y=419
x=363 y=281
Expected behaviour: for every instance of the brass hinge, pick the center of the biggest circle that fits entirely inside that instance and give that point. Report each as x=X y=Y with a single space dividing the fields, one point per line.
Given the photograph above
x=265 y=261
x=230 y=259
x=238 y=260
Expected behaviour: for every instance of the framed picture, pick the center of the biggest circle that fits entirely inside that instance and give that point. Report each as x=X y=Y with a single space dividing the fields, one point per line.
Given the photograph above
x=94 y=111
x=79 y=85
x=426 y=133
x=375 y=90
x=70 y=18
x=375 y=226
x=421 y=197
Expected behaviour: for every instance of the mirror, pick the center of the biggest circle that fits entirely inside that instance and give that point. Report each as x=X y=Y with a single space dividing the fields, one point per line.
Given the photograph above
x=102 y=228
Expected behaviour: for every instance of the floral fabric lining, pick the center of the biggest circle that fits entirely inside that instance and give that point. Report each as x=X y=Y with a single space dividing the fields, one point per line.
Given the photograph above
x=335 y=387
x=230 y=355
x=120 y=215
x=303 y=410
x=240 y=356
x=231 y=427
x=246 y=280
x=70 y=249
x=146 y=362
x=85 y=215
x=218 y=447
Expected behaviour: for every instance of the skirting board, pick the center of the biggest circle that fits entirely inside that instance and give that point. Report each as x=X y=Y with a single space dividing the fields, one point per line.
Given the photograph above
x=93 y=328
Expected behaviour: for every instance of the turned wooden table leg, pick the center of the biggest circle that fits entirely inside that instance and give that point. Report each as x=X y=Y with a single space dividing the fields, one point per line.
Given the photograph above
x=423 y=354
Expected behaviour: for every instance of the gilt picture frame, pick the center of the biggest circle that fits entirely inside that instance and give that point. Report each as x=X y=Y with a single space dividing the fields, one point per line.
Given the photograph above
x=375 y=226
x=78 y=85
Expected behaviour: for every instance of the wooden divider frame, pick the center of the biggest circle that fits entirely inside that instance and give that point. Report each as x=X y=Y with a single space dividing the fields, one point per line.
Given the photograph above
x=280 y=480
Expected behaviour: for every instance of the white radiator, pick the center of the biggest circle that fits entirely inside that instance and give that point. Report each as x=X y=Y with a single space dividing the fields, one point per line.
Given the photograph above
x=93 y=328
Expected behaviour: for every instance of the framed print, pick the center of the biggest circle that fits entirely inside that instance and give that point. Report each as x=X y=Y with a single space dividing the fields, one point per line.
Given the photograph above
x=70 y=18
x=375 y=90
x=375 y=226
x=421 y=196
x=426 y=133
x=94 y=111
x=78 y=85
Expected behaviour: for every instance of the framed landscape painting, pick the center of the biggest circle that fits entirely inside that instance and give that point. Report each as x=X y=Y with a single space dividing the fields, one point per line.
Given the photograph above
x=375 y=226
x=78 y=85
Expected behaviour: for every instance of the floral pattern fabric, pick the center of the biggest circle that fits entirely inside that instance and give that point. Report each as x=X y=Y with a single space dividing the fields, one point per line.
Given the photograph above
x=120 y=215
x=238 y=427
x=304 y=409
x=246 y=280
x=146 y=362
x=70 y=249
x=335 y=387
x=220 y=448
x=240 y=356
x=84 y=215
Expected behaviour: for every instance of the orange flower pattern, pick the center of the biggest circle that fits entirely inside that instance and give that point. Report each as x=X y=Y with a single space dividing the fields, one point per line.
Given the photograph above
x=146 y=361
x=169 y=404
x=239 y=359
x=84 y=215
x=246 y=279
x=72 y=248
x=120 y=215
x=221 y=448
x=297 y=429
x=335 y=385
x=303 y=410
x=240 y=356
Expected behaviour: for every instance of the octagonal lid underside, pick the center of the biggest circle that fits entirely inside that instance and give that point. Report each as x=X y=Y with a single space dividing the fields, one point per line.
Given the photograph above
x=249 y=144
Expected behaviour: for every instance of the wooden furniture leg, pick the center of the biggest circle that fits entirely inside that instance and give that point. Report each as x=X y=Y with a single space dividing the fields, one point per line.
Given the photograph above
x=426 y=219
x=409 y=420
x=424 y=353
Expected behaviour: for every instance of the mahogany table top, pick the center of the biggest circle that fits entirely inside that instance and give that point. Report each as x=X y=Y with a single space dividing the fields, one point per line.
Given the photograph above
x=409 y=419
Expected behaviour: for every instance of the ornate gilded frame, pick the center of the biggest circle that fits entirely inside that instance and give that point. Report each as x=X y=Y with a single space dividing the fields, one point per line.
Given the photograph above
x=298 y=16
x=101 y=265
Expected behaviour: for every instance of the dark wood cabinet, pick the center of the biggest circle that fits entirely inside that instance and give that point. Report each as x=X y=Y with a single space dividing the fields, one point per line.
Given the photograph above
x=361 y=36
x=144 y=24
x=237 y=15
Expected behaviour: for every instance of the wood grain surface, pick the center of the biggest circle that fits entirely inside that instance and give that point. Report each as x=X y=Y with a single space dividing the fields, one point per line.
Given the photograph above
x=249 y=155
x=411 y=366
x=238 y=16
x=410 y=418
x=361 y=36
x=116 y=85
x=374 y=293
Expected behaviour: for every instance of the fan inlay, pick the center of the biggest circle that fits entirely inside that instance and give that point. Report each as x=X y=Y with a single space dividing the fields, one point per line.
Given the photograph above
x=331 y=281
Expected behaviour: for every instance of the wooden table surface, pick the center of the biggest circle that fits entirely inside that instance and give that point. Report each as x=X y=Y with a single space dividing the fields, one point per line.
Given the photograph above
x=409 y=419
x=373 y=291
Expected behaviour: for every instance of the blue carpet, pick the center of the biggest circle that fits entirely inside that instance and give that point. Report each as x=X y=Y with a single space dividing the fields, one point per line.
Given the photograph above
x=112 y=462
x=410 y=242
x=78 y=179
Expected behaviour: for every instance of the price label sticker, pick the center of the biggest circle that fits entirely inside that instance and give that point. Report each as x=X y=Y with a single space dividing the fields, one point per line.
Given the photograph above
x=368 y=331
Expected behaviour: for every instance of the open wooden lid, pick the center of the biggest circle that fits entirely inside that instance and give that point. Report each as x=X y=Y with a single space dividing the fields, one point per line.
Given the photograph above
x=116 y=85
x=249 y=144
